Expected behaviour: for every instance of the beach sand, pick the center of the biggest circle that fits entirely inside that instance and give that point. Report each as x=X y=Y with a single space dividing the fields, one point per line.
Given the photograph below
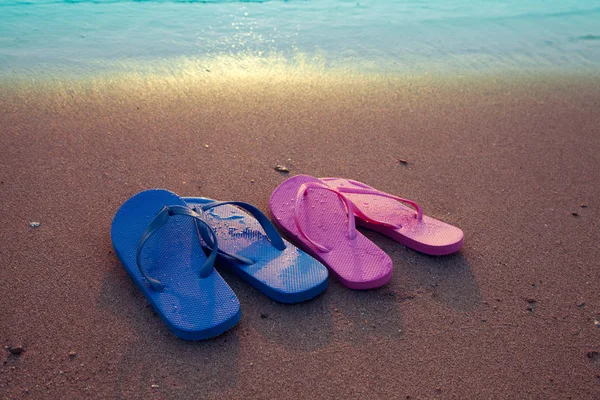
x=512 y=160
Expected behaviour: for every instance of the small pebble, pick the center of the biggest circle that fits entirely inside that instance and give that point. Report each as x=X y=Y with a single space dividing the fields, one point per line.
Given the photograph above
x=281 y=168
x=575 y=214
x=402 y=161
x=16 y=350
x=264 y=315
x=72 y=353
x=531 y=306
x=251 y=180
x=154 y=386
x=34 y=224
x=593 y=355
x=206 y=146
x=583 y=206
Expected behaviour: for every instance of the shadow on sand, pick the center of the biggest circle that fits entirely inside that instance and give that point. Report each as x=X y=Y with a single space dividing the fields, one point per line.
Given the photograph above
x=208 y=365
x=342 y=314
x=448 y=279
x=338 y=314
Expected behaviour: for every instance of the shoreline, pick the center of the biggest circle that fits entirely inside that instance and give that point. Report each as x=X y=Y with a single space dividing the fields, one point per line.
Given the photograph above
x=288 y=84
x=280 y=68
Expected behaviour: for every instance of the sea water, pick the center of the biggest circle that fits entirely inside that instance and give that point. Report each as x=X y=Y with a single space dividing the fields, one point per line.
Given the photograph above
x=40 y=37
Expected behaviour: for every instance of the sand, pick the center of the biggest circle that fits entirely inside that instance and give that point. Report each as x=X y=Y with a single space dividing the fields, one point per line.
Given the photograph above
x=511 y=160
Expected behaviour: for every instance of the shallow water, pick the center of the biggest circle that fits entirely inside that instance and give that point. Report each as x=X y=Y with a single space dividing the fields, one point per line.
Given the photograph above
x=57 y=37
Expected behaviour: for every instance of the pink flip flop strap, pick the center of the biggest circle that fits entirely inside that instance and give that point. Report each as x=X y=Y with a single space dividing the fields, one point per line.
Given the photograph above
x=364 y=189
x=350 y=209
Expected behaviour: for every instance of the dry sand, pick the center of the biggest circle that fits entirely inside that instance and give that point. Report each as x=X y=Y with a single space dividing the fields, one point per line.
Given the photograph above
x=507 y=159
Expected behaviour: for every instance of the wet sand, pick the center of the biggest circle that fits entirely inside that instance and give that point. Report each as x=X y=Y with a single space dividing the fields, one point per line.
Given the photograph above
x=511 y=160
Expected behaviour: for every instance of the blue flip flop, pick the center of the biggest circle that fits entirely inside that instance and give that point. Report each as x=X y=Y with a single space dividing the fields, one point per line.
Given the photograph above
x=250 y=245
x=158 y=239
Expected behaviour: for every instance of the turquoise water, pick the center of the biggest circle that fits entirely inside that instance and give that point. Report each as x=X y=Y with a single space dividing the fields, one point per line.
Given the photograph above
x=58 y=36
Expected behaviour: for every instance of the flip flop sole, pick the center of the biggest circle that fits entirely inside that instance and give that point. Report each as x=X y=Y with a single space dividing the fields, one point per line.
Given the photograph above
x=193 y=308
x=428 y=236
x=288 y=276
x=358 y=263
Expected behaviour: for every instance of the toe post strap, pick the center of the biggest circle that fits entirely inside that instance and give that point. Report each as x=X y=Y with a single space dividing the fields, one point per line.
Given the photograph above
x=207 y=234
x=271 y=232
x=350 y=210
x=361 y=188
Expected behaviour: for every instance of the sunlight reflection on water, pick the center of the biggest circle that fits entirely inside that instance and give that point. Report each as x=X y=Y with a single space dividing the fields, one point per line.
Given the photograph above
x=55 y=37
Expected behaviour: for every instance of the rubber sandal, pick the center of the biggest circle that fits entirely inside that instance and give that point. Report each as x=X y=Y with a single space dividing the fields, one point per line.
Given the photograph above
x=250 y=245
x=391 y=216
x=155 y=236
x=316 y=217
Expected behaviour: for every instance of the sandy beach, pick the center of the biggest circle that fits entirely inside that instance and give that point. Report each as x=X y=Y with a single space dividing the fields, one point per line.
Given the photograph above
x=514 y=161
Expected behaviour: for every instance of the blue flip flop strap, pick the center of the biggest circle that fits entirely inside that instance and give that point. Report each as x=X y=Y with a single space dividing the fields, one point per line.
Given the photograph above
x=266 y=224
x=207 y=234
x=210 y=245
x=270 y=231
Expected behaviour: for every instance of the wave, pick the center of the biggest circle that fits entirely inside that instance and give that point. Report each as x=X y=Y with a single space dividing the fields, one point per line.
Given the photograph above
x=531 y=16
x=587 y=37
x=14 y=3
x=415 y=11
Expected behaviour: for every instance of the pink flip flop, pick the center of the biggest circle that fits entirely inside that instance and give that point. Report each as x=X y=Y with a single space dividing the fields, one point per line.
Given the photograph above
x=390 y=216
x=321 y=220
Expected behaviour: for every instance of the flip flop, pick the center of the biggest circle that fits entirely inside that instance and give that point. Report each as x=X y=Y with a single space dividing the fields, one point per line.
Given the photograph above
x=316 y=216
x=390 y=216
x=156 y=238
x=250 y=245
